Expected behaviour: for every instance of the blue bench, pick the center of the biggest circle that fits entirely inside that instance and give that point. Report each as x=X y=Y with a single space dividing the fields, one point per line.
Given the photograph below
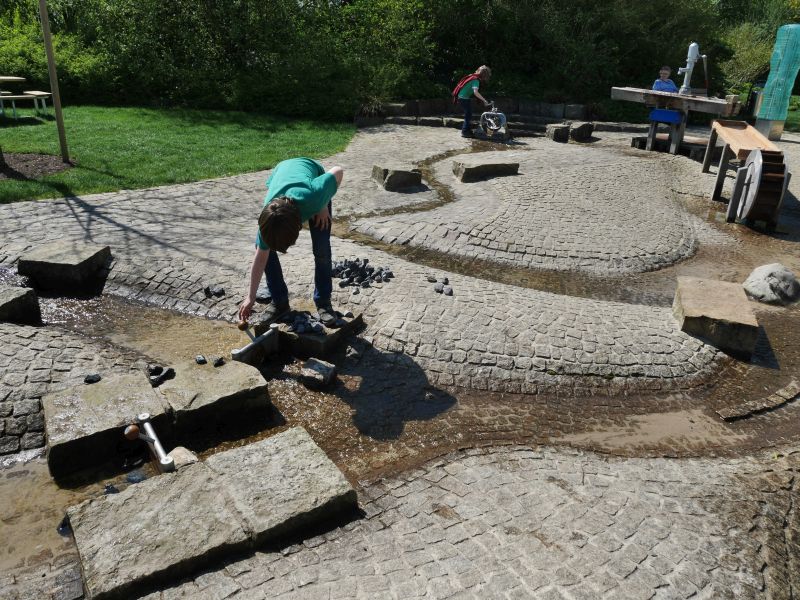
x=676 y=120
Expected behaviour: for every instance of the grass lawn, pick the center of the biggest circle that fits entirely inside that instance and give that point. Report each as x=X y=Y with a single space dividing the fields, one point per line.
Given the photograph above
x=130 y=148
x=793 y=116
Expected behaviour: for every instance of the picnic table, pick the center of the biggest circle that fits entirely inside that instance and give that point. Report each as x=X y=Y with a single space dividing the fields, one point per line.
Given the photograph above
x=6 y=96
x=740 y=140
x=680 y=103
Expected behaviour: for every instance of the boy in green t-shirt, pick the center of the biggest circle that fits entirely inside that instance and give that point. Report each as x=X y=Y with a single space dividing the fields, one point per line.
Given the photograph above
x=482 y=75
x=298 y=190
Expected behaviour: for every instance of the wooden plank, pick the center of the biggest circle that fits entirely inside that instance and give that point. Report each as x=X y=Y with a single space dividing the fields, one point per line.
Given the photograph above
x=743 y=138
x=716 y=106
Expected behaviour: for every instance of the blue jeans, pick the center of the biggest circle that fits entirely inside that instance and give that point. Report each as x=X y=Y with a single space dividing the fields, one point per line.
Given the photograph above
x=323 y=284
x=466 y=106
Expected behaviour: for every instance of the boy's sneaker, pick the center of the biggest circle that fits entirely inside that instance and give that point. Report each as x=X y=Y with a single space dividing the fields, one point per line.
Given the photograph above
x=328 y=316
x=274 y=311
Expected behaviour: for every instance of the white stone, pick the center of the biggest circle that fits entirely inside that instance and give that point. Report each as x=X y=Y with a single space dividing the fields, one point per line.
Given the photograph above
x=773 y=283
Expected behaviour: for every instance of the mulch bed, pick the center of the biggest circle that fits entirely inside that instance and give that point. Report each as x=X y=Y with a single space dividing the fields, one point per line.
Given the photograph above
x=30 y=166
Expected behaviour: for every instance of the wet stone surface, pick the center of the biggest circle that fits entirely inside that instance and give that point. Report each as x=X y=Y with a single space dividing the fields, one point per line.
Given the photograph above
x=544 y=523
x=494 y=364
x=34 y=361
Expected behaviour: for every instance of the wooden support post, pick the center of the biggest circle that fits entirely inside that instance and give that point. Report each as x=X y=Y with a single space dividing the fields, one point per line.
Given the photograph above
x=712 y=143
x=723 y=168
x=677 y=136
x=651 y=136
x=51 y=68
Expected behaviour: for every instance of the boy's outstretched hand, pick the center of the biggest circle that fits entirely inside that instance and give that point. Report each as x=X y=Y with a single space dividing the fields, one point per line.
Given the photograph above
x=246 y=309
x=322 y=220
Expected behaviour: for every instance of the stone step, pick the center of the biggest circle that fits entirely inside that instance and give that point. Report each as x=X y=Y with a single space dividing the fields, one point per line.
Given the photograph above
x=84 y=423
x=19 y=305
x=73 y=267
x=718 y=312
x=172 y=525
x=474 y=168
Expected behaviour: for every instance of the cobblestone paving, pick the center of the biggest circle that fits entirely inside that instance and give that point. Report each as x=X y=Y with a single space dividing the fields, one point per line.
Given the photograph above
x=169 y=243
x=388 y=146
x=572 y=207
x=33 y=361
x=545 y=523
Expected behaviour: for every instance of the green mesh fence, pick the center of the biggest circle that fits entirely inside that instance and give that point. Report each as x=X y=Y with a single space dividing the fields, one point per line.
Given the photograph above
x=783 y=69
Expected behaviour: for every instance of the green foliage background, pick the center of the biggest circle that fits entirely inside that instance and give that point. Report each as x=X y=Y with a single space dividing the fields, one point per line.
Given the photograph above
x=328 y=57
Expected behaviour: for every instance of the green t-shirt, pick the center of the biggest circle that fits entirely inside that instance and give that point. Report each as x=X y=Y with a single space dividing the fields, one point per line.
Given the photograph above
x=303 y=180
x=469 y=90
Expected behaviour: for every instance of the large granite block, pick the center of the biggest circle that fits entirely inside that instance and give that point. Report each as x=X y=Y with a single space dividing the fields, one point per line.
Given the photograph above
x=718 y=312
x=154 y=531
x=203 y=395
x=84 y=423
x=19 y=305
x=475 y=169
x=73 y=267
x=282 y=483
x=394 y=179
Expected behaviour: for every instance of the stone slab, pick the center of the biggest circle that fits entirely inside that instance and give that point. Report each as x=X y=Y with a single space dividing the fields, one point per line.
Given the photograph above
x=581 y=132
x=558 y=132
x=318 y=371
x=200 y=396
x=156 y=530
x=65 y=266
x=467 y=171
x=19 y=305
x=718 y=312
x=84 y=423
x=282 y=483
x=783 y=396
x=395 y=179
x=319 y=345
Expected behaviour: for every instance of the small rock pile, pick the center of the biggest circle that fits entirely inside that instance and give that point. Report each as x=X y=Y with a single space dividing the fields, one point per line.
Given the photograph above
x=359 y=273
x=304 y=322
x=441 y=285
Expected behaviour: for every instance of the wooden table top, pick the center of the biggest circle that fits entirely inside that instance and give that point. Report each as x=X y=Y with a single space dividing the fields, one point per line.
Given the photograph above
x=742 y=138
x=714 y=106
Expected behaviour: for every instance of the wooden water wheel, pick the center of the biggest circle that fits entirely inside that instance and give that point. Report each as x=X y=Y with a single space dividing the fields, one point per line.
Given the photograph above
x=760 y=187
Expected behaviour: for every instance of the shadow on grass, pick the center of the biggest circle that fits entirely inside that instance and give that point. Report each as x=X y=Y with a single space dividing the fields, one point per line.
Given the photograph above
x=254 y=121
x=10 y=122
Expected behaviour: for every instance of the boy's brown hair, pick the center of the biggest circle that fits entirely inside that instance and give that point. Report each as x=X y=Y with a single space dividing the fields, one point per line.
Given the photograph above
x=280 y=224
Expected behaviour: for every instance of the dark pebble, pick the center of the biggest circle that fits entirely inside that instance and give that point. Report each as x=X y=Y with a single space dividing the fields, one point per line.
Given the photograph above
x=200 y=359
x=157 y=380
x=217 y=361
x=154 y=369
x=438 y=288
x=431 y=279
x=93 y=378
x=365 y=284
x=349 y=314
x=64 y=528
x=444 y=281
x=448 y=291
x=110 y=489
x=356 y=291
x=343 y=283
